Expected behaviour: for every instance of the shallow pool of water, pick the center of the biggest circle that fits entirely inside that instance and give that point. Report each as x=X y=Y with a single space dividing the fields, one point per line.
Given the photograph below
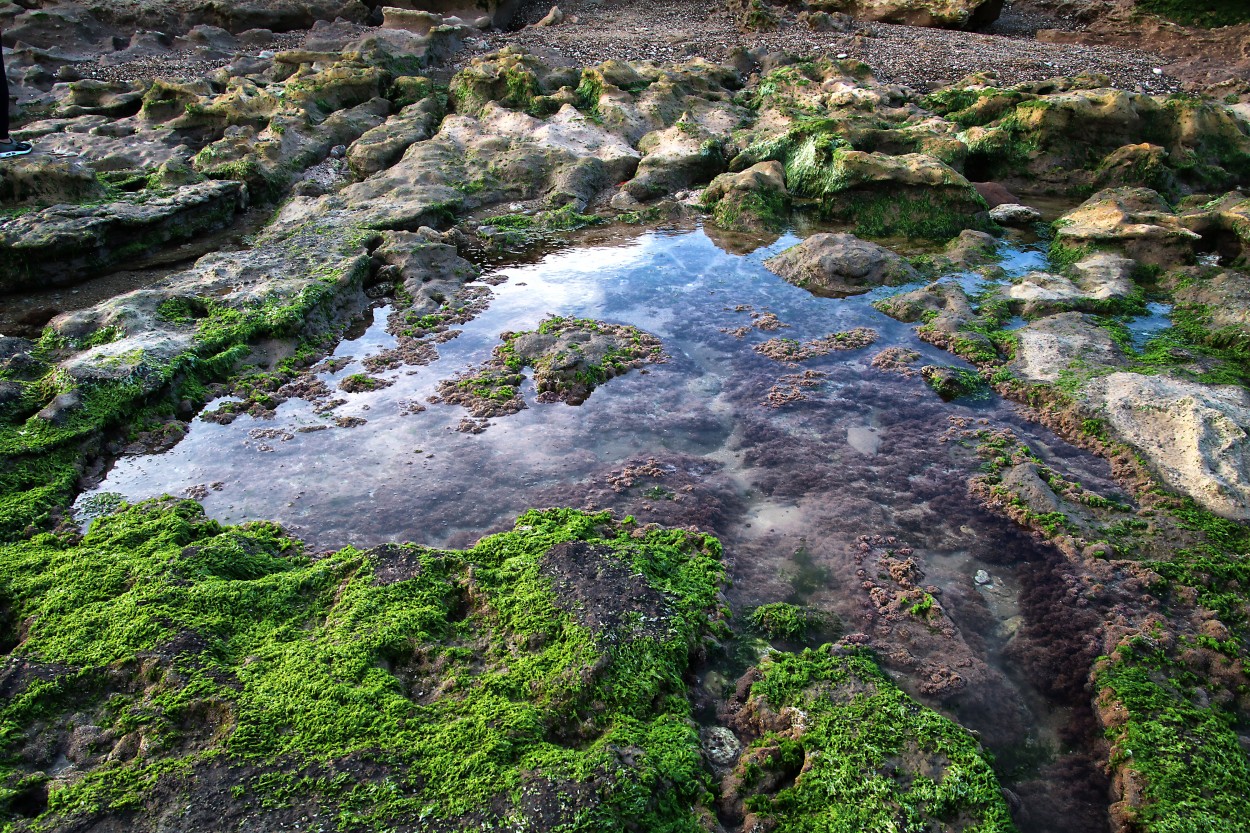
x=789 y=489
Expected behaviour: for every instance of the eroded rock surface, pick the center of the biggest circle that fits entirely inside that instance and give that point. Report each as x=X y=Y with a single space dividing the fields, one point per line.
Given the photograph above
x=838 y=265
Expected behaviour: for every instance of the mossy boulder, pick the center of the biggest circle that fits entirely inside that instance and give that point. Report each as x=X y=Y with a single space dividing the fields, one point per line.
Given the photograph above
x=44 y=180
x=834 y=744
x=753 y=199
x=839 y=265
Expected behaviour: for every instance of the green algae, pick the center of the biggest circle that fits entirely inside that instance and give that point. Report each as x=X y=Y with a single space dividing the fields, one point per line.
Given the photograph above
x=311 y=663
x=1209 y=13
x=867 y=757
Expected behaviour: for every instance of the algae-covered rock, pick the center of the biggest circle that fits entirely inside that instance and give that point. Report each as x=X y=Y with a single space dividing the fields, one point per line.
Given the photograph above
x=44 y=180
x=953 y=382
x=834 y=744
x=754 y=198
x=536 y=678
x=1197 y=437
x=1224 y=226
x=838 y=265
x=1135 y=221
x=570 y=357
x=66 y=244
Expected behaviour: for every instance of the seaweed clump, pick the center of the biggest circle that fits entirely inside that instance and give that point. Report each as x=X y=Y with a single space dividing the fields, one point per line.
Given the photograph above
x=838 y=746
x=198 y=674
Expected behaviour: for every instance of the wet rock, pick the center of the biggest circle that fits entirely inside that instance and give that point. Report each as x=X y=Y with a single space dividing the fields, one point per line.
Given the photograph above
x=981 y=577
x=1135 y=221
x=432 y=271
x=1014 y=214
x=65 y=244
x=721 y=746
x=1139 y=165
x=754 y=198
x=1221 y=300
x=1070 y=341
x=59 y=410
x=838 y=265
x=952 y=382
x=1197 y=437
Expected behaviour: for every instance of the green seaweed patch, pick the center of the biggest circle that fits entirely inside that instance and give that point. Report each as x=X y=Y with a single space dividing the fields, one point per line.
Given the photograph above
x=865 y=757
x=781 y=620
x=393 y=687
x=1180 y=746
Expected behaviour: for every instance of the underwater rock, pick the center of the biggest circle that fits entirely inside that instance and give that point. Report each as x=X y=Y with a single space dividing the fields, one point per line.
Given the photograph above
x=1197 y=437
x=570 y=358
x=838 y=265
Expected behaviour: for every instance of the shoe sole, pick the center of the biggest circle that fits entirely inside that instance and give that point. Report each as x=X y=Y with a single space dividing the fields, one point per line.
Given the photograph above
x=8 y=154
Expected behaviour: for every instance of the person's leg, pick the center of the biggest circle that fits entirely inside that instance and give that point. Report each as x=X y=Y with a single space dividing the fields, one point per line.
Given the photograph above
x=8 y=147
x=4 y=111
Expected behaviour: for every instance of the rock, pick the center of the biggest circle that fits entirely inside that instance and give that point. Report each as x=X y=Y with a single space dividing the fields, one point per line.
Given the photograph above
x=1136 y=221
x=411 y=20
x=431 y=270
x=64 y=244
x=43 y=180
x=1014 y=214
x=995 y=194
x=1222 y=302
x=499 y=12
x=1224 y=227
x=553 y=18
x=971 y=248
x=720 y=746
x=58 y=411
x=1195 y=436
x=754 y=198
x=1102 y=283
x=838 y=265
x=1139 y=165
x=981 y=577
x=945 y=14
x=382 y=146
x=952 y=382
x=675 y=158
x=1068 y=341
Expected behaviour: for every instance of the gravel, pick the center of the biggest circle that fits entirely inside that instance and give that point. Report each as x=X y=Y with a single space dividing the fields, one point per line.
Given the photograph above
x=664 y=32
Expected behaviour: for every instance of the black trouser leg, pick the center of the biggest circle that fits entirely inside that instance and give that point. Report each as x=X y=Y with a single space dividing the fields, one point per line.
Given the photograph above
x=4 y=110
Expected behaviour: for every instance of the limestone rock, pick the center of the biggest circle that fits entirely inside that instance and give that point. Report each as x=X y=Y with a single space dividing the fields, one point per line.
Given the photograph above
x=1224 y=227
x=945 y=14
x=838 y=265
x=1100 y=280
x=382 y=146
x=1014 y=214
x=44 y=180
x=1136 y=221
x=64 y=244
x=754 y=198
x=1058 y=343
x=1197 y=437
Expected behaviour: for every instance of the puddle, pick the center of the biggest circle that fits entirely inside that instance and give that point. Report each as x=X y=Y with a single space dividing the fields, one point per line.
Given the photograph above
x=789 y=490
x=1142 y=328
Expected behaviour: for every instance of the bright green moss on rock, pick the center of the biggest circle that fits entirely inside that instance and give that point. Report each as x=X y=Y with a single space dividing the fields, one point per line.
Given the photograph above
x=1199 y=12
x=861 y=753
x=536 y=675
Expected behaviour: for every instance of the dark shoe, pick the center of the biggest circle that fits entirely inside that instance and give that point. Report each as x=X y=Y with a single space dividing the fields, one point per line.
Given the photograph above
x=12 y=148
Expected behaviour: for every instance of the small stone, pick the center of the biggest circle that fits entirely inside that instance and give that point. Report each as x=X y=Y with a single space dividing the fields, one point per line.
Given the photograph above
x=982 y=577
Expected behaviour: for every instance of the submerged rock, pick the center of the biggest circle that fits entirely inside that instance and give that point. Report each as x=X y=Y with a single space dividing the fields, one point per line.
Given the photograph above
x=838 y=265
x=1197 y=437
